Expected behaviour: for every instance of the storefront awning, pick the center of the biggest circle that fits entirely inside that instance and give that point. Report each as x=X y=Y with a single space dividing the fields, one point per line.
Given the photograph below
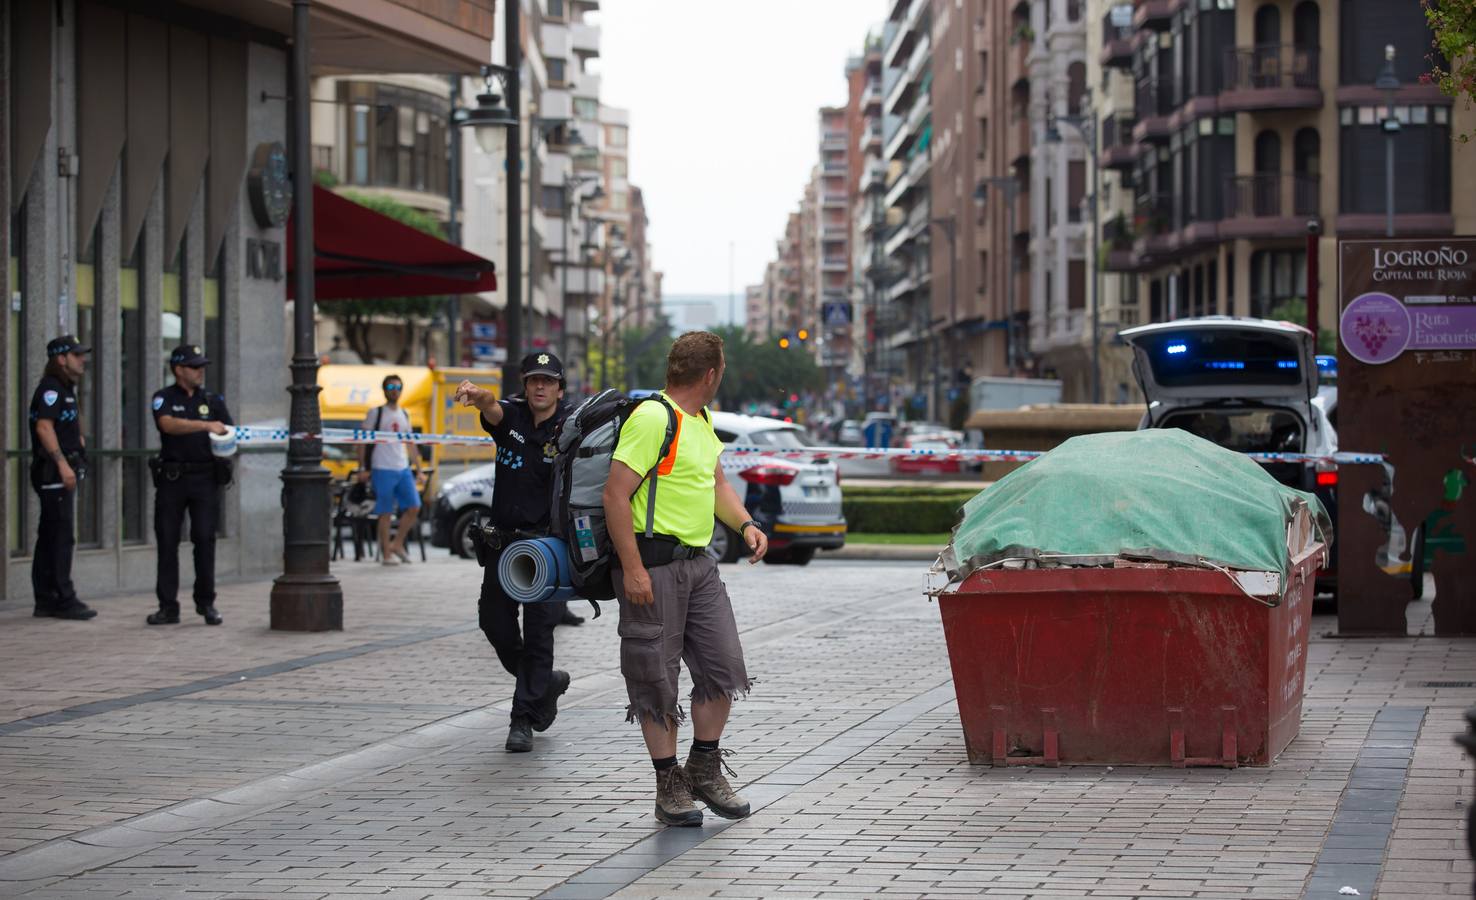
x=360 y=254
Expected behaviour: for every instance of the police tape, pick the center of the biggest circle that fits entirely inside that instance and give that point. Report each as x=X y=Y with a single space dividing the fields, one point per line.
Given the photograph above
x=269 y=436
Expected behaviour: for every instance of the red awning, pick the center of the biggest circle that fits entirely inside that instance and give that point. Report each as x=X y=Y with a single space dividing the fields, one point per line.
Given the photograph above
x=361 y=254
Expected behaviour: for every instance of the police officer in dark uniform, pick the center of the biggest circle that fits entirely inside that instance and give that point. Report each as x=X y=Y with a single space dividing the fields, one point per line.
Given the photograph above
x=524 y=427
x=57 y=464
x=187 y=476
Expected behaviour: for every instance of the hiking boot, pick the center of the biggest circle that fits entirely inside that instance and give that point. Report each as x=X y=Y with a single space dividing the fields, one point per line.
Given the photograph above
x=520 y=736
x=558 y=683
x=674 y=804
x=705 y=773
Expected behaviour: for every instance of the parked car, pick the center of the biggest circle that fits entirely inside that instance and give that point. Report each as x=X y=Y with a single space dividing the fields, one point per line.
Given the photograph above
x=458 y=503
x=1245 y=384
x=796 y=502
x=927 y=465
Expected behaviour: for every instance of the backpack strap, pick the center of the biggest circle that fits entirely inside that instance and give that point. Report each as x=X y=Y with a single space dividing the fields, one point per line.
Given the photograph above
x=654 y=474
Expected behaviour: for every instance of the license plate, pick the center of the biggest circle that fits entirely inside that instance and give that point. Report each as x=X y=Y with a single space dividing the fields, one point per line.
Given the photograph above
x=816 y=491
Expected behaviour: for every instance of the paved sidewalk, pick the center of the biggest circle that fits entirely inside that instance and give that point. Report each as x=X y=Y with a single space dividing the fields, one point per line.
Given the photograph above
x=237 y=762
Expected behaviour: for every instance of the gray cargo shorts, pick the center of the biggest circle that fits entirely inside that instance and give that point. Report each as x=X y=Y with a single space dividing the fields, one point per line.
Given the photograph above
x=691 y=621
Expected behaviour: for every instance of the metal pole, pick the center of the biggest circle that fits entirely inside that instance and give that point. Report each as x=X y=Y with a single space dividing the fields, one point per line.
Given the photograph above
x=1389 y=178
x=1312 y=280
x=1090 y=133
x=306 y=596
x=564 y=278
x=453 y=226
x=513 y=51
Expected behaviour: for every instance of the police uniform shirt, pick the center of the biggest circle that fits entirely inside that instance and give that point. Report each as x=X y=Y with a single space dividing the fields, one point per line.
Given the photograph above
x=521 y=492
x=55 y=400
x=202 y=406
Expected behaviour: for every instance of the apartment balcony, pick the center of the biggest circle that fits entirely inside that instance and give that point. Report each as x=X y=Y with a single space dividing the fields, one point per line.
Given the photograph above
x=586 y=84
x=1117 y=244
x=870 y=138
x=905 y=35
x=871 y=97
x=833 y=199
x=1117 y=44
x=1155 y=14
x=1119 y=150
x=1153 y=226
x=1271 y=77
x=874 y=176
x=834 y=166
x=557 y=42
x=584 y=280
x=556 y=104
x=910 y=177
x=833 y=264
x=833 y=141
x=833 y=231
x=1275 y=204
x=1155 y=106
x=1020 y=144
x=909 y=81
x=585 y=39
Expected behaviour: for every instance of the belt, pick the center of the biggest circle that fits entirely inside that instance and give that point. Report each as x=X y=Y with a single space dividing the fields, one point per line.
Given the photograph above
x=661 y=549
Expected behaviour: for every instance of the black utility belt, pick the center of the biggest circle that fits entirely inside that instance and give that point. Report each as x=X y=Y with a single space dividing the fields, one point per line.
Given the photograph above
x=663 y=549
x=168 y=470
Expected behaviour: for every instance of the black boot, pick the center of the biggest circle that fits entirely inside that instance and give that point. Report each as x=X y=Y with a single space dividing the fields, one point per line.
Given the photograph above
x=211 y=616
x=558 y=683
x=520 y=736
x=163 y=618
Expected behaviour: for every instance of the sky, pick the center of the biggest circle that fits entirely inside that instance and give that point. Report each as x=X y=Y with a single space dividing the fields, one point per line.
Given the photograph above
x=724 y=98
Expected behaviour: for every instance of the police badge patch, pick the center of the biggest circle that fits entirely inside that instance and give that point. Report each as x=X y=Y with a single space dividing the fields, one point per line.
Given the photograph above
x=158 y=403
x=204 y=409
x=49 y=397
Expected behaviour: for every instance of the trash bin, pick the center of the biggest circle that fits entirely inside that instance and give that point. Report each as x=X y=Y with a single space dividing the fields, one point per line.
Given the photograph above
x=1103 y=611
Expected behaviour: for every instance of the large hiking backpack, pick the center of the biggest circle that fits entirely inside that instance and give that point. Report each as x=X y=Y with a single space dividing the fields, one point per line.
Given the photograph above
x=585 y=447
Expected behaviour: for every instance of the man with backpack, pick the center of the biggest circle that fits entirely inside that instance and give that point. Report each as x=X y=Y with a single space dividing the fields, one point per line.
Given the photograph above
x=390 y=472
x=673 y=605
x=524 y=427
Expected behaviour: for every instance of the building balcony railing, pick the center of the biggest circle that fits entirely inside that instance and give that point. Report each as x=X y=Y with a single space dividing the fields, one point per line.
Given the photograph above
x=1155 y=104
x=1271 y=77
x=1119 y=150
x=1117 y=43
x=1153 y=224
x=833 y=140
x=1117 y=244
x=1270 y=204
x=1155 y=14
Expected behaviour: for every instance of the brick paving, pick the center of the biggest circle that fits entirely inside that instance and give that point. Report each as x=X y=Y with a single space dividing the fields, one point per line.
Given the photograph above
x=369 y=763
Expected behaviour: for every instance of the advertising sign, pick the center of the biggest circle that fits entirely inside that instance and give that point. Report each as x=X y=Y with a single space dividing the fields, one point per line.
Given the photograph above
x=1406 y=385
x=1407 y=295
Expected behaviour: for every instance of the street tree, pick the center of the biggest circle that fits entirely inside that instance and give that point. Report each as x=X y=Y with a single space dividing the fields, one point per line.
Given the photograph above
x=356 y=317
x=1453 y=60
x=763 y=372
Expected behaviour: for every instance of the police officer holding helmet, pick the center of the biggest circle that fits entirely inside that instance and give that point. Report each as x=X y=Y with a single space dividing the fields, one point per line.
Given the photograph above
x=57 y=465
x=187 y=477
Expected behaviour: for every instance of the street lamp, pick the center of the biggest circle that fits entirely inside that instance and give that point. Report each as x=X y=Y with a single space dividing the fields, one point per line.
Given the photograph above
x=1086 y=125
x=1009 y=186
x=496 y=128
x=1388 y=82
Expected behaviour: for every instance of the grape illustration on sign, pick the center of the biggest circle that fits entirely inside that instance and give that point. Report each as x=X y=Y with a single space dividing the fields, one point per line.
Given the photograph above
x=1375 y=328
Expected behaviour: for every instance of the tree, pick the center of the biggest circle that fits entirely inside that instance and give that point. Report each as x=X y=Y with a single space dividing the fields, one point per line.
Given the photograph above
x=1453 y=62
x=762 y=372
x=355 y=317
x=1294 y=309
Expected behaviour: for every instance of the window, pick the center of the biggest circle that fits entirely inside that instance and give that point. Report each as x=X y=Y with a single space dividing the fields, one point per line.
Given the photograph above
x=1076 y=285
x=555 y=72
x=1422 y=157
x=1276 y=277
x=1076 y=87
x=586 y=108
x=619 y=202
x=617 y=168
x=1076 y=189
x=1366 y=26
x=553 y=9
x=616 y=135
x=552 y=199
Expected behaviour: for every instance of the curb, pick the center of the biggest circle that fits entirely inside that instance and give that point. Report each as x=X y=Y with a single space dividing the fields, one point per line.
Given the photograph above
x=917 y=552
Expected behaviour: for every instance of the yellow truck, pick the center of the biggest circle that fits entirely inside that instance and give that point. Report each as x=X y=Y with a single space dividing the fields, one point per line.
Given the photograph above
x=350 y=392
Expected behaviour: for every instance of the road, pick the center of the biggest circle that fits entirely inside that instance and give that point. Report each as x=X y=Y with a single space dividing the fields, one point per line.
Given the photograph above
x=237 y=762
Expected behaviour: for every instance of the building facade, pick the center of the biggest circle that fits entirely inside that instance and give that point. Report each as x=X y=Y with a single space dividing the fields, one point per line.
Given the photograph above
x=138 y=153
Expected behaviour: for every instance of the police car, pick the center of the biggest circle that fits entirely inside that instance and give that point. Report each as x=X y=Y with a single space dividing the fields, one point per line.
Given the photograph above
x=796 y=501
x=459 y=502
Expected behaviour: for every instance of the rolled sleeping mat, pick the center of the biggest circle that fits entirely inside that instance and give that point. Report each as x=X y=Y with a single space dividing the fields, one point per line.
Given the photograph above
x=536 y=571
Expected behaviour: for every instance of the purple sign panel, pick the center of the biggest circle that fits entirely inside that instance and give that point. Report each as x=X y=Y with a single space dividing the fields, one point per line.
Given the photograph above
x=1407 y=295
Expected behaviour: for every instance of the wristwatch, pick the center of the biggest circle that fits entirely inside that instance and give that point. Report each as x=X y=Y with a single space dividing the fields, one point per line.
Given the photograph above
x=744 y=526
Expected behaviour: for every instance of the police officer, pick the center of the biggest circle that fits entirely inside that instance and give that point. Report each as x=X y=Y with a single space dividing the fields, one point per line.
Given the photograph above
x=524 y=427
x=57 y=464
x=187 y=476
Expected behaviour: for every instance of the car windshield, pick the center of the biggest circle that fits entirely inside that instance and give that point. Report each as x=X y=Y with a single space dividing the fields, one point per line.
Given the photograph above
x=1255 y=430
x=782 y=438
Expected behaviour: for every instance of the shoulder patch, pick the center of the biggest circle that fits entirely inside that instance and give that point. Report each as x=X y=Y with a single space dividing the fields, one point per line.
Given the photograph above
x=158 y=402
x=49 y=398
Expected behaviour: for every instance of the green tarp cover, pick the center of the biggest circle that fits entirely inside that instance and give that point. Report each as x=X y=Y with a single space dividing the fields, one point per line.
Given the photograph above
x=1161 y=494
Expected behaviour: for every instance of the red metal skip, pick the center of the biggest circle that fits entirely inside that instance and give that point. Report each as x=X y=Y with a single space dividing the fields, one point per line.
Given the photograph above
x=1127 y=666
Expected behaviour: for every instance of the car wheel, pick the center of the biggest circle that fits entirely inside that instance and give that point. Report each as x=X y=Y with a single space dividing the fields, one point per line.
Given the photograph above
x=461 y=543
x=725 y=546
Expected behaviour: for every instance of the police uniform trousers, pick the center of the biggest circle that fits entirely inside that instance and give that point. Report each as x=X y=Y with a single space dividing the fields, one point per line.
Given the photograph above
x=527 y=653
x=51 y=565
x=197 y=493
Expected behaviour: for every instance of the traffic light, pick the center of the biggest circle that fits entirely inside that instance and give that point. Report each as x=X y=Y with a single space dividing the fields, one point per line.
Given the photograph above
x=803 y=335
x=784 y=343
